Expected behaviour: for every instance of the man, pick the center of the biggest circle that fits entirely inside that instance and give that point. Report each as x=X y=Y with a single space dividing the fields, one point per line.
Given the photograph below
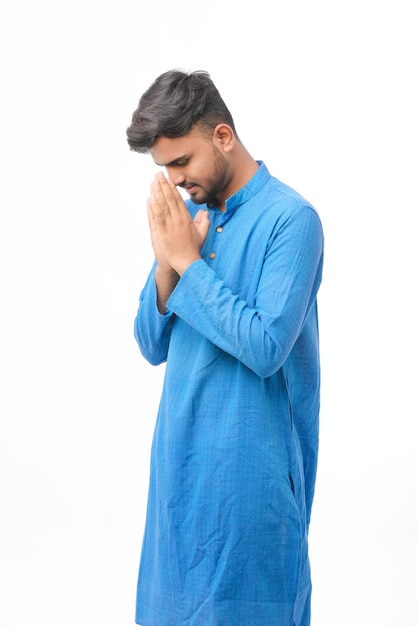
x=230 y=305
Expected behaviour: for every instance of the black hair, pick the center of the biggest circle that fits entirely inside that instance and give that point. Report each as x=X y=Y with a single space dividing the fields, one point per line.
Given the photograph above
x=173 y=105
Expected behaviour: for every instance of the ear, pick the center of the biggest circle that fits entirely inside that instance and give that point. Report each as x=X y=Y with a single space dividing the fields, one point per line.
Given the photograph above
x=224 y=137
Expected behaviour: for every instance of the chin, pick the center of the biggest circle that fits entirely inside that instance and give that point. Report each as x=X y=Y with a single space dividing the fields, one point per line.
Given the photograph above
x=197 y=199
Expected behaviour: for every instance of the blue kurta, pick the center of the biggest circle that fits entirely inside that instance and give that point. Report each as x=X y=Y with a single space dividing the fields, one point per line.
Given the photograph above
x=234 y=453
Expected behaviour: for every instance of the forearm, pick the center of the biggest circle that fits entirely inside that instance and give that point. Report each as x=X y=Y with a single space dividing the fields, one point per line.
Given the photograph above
x=259 y=329
x=205 y=303
x=152 y=329
x=261 y=336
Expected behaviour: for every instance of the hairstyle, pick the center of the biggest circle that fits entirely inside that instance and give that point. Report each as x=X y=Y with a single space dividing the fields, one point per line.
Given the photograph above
x=173 y=105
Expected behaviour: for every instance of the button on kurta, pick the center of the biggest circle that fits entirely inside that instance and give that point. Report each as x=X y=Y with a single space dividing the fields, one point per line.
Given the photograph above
x=212 y=255
x=219 y=229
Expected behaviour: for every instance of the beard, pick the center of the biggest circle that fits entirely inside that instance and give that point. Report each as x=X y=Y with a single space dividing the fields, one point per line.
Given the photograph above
x=208 y=192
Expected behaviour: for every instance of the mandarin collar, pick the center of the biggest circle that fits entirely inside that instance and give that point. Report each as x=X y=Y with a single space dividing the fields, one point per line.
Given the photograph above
x=251 y=188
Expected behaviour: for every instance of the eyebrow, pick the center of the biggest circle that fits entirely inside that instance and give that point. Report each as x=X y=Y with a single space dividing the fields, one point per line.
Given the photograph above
x=173 y=162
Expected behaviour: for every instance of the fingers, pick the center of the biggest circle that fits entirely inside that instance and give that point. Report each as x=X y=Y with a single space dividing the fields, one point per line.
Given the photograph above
x=202 y=223
x=201 y=216
x=150 y=213
x=175 y=238
x=166 y=195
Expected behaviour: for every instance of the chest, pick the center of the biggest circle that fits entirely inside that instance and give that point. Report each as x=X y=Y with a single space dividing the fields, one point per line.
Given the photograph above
x=235 y=248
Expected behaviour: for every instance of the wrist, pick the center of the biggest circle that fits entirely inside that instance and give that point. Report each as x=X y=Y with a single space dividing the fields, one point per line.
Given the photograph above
x=166 y=279
x=166 y=272
x=183 y=264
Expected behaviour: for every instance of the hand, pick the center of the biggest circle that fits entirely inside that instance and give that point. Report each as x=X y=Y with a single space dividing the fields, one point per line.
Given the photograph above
x=163 y=265
x=176 y=238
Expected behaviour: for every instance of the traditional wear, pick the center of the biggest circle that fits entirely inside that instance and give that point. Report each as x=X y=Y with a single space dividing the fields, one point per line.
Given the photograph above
x=234 y=454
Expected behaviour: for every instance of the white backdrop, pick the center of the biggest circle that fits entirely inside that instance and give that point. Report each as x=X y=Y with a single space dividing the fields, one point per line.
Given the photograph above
x=324 y=92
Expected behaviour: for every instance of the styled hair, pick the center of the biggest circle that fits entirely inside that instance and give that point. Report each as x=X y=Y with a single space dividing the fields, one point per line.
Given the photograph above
x=173 y=105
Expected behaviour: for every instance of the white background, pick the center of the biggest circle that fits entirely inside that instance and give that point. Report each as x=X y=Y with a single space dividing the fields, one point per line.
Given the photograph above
x=325 y=93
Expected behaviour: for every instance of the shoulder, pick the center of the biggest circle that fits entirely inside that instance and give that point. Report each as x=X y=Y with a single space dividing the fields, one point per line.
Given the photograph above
x=283 y=204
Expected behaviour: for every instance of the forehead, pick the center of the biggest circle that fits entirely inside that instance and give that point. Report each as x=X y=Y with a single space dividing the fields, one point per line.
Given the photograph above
x=166 y=150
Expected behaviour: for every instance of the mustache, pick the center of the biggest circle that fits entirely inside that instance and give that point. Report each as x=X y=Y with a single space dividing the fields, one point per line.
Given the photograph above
x=186 y=185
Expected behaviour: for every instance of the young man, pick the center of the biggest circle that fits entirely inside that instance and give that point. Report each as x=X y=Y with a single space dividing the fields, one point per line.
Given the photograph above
x=230 y=305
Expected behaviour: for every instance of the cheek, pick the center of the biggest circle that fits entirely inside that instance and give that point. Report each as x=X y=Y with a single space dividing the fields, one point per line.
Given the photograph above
x=205 y=169
x=200 y=170
x=196 y=173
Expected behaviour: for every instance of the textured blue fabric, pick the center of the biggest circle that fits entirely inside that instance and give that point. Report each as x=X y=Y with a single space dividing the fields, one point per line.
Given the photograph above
x=234 y=453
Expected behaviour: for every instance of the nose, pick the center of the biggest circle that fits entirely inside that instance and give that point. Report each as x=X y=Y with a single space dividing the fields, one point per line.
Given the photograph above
x=177 y=177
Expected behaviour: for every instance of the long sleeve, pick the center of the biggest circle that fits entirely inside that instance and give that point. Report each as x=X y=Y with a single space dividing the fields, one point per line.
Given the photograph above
x=152 y=330
x=261 y=336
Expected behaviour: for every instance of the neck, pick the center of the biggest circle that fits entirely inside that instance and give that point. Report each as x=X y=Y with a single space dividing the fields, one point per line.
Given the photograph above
x=243 y=167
